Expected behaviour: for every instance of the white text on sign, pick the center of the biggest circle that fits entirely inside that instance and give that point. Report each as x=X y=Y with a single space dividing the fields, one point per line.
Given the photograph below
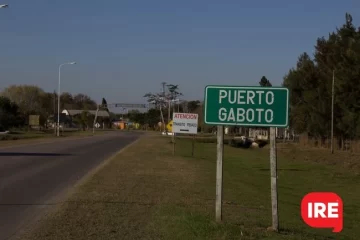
x=246 y=97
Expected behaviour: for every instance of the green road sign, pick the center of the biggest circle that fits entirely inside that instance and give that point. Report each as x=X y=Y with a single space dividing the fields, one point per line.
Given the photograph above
x=246 y=106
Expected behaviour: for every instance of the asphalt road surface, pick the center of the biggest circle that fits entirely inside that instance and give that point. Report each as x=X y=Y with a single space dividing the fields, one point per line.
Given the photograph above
x=34 y=177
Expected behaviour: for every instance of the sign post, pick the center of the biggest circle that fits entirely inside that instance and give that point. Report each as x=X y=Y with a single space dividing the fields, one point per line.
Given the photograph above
x=193 y=146
x=173 y=141
x=219 y=172
x=247 y=106
x=273 y=177
x=185 y=123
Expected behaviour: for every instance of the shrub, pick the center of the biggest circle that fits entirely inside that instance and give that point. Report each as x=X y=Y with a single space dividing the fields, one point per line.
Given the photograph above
x=261 y=143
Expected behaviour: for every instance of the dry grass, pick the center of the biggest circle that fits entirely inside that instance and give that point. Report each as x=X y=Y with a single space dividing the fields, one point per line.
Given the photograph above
x=146 y=193
x=348 y=161
x=348 y=145
x=33 y=138
x=119 y=201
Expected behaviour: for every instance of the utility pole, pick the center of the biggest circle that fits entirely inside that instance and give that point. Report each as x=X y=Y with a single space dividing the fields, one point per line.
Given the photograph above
x=162 y=116
x=332 y=112
x=95 y=118
x=55 y=129
x=59 y=95
x=163 y=87
x=168 y=120
x=169 y=110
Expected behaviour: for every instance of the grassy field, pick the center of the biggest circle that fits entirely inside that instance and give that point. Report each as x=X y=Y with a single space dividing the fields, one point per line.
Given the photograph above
x=146 y=193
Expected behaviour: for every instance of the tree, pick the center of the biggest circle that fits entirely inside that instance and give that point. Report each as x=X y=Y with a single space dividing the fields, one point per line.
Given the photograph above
x=159 y=102
x=264 y=82
x=108 y=122
x=137 y=117
x=310 y=85
x=9 y=115
x=173 y=92
x=27 y=97
x=67 y=101
x=85 y=119
x=84 y=102
x=193 y=105
x=104 y=104
x=31 y=99
x=172 y=97
x=48 y=106
x=152 y=117
x=307 y=99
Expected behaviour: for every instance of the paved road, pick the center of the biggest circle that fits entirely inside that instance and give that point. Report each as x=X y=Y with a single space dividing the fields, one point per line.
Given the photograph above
x=33 y=177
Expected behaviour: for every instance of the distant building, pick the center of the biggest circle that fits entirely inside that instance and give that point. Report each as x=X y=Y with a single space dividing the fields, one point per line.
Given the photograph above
x=262 y=133
x=71 y=113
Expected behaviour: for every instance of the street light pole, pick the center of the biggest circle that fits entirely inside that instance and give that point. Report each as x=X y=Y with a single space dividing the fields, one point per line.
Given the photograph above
x=58 y=120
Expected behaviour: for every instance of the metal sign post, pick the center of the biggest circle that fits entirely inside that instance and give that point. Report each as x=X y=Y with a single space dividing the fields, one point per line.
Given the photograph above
x=173 y=140
x=193 y=146
x=219 y=172
x=247 y=106
x=273 y=180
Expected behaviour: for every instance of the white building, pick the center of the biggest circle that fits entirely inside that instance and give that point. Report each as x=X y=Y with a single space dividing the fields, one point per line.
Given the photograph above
x=71 y=113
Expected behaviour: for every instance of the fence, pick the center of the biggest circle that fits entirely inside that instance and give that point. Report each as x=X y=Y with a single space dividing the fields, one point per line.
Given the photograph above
x=350 y=145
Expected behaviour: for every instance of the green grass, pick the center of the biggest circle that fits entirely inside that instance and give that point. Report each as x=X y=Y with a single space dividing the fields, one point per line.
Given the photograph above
x=246 y=190
x=18 y=135
x=25 y=137
x=146 y=193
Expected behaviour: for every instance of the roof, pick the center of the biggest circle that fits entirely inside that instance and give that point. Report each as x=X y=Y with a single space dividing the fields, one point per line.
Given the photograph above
x=71 y=112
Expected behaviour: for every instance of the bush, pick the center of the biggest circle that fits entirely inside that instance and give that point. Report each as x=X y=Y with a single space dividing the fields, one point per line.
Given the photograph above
x=6 y=137
x=239 y=143
x=261 y=143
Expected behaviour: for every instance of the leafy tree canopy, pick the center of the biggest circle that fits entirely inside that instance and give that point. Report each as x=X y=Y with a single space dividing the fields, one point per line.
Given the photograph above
x=310 y=85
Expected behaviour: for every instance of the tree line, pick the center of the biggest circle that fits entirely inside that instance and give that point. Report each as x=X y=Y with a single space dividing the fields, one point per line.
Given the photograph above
x=336 y=57
x=17 y=102
x=167 y=102
x=153 y=116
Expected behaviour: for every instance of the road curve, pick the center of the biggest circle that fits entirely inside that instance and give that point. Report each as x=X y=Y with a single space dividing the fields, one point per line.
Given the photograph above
x=31 y=177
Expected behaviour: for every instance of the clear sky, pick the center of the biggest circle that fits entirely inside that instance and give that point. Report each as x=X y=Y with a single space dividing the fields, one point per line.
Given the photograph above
x=125 y=48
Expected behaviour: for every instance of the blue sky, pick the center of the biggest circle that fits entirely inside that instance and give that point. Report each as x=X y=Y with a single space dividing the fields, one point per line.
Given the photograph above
x=127 y=48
